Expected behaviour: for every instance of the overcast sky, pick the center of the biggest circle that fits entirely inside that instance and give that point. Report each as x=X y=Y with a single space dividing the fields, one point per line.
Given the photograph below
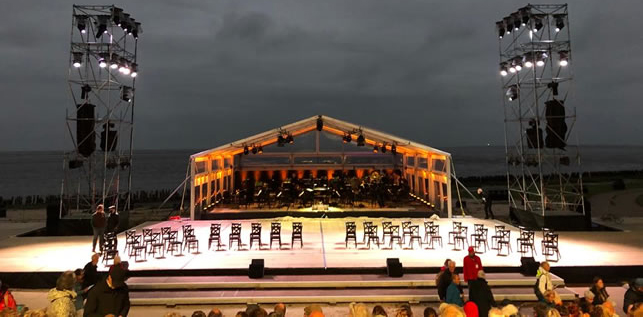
x=213 y=71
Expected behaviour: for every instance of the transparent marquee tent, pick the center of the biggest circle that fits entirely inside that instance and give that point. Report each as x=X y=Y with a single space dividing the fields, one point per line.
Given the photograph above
x=314 y=153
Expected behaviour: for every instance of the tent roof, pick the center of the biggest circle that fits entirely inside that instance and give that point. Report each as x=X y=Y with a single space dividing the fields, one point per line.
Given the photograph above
x=331 y=125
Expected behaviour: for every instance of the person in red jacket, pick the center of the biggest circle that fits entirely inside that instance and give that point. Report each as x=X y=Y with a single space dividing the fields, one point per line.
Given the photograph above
x=471 y=266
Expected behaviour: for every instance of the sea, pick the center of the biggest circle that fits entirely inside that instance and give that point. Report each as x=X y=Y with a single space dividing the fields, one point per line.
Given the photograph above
x=41 y=172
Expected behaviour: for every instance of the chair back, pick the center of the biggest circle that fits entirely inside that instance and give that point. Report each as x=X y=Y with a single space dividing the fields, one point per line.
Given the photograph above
x=456 y=225
x=415 y=230
x=395 y=231
x=235 y=230
x=156 y=237
x=296 y=228
x=275 y=228
x=386 y=225
x=165 y=230
x=215 y=229
x=147 y=232
x=405 y=225
x=256 y=228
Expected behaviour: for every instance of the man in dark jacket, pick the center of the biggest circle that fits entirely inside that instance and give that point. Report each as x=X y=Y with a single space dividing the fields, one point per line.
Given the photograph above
x=445 y=279
x=480 y=293
x=90 y=274
x=633 y=295
x=113 y=220
x=109 y=296
x=98 y=226
x=486 y=199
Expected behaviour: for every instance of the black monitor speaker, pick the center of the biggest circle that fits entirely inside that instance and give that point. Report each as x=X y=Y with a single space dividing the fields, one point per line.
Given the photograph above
x=256 y=269
x=528 y=266
x=394 y=267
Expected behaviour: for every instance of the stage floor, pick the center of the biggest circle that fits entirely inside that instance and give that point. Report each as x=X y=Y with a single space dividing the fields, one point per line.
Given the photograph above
x=323 y=248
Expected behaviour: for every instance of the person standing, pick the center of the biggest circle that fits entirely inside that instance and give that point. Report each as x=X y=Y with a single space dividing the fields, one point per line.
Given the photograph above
x=98 y=226
x=486 y=199
x=544 y=284
x=109 y=296
x=471 y=266
x=454 y=294
x=599 y=290
x=90 y=274
x=444 y=279
x=480 y=293
x=113 y=220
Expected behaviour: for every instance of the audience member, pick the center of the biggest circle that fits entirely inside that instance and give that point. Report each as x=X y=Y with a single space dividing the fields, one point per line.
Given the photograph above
x=480 y=293
x=550 y=298
x=197 y=313
x=444 y=278
x=241 y=314
x=170 y=314
x=310 y=309
x=62 y=297
x=98 y=227
x=599 y=311
x=358 y=310
x=510 y=310
x=78 y=289
x=448 y=310
x=379 y=311
x=544 y=284
x=404 y=311
x=470 y=266
x=633 y=295
x=553 y=312
x=609 y=307
x=6 y=299
x=430 y=312
x=471 y=309
x=35 y=313
x=454 y=294
x=573 y=309
x=540 y=309
x=585 y=303
x=90 y=273
x=280 y=309
x=109 y=296
x=599 y=291
x=316 y=314
x=637 y=310
x=215 y=312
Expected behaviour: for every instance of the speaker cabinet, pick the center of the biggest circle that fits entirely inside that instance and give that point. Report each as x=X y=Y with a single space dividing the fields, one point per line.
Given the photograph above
x=394 y=267
x=256 y=269
x=528 y=266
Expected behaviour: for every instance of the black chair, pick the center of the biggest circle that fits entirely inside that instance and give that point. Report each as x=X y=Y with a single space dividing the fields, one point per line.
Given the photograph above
x=255 y=234
x=109 y=249
x=235 y=236
x=551 y=247
x=184 y=228
x=275 y=233
x=435 y=236
x=386 y=230
x=546 y=233
x=406 y=230
x=526 y=242
x=477 y=230
x=415 y=236
x=165 y=234
x=174 y=244
x=373 y=236
x=157 y=246
x=147 y=237
x=505 y=240
x=395 y=236
x=496 y=236
x=460 y=238
x=351 y=233
x=366 y=225
x=480 y=240
x=427 y=230
x=215 y=235
x=191 y=242
x=297 y=234
x=129 y=239
x=139 y=248
x=456 y=231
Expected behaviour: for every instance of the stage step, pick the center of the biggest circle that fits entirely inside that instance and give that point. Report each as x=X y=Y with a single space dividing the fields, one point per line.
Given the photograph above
x=246 y=296
x=316 y=281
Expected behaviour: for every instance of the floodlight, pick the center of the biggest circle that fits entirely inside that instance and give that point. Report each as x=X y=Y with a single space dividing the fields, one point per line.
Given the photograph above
x=77 y=59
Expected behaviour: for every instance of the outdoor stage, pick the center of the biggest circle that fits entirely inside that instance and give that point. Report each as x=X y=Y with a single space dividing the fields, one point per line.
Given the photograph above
x=324 y=249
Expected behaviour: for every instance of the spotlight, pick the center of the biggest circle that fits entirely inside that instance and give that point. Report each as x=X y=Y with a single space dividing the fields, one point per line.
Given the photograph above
x=554 y=88
x=117 y=14
x=101 y=26
x=559 y=20
x=254 y=150
x=517 y=21
x=77 y=60
x=503 y=69
x=524 y=14
x=85 y=89
x=361 y=140
x=125 y=22
x=500 y=26
x=134 y=70
x=540 y=59
x=563 y=58
x=512 y=92
x=127 y=93
x=538 y=24
x=512 y=69
x=383 y=147
x=290 y=139
x=260 y=149
x=347 y=138
x=375 y=148
x=245 y=150
x=113 y=61
x=123 y=67
x=517 y=63
x=81 y=23
x=528 y=60
x=393 y=149
x=281 y=141
x=320 y=123
x=136 y=29
x=508 y=24
x=102 y=63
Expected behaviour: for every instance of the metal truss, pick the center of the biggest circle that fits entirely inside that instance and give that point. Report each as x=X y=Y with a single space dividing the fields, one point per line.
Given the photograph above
x=543 y=168
x=102 y=75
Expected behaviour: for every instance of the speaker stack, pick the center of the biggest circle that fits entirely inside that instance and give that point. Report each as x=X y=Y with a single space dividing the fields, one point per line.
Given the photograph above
x=85 y=135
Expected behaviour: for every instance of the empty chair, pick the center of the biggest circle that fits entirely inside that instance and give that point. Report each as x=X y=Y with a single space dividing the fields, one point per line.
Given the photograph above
x=477 y=229
x=297 y=234
x=156 y=245
x=373 y=236
x=165 y=233
x=505 y=240
x=395 y=236
x=275 y=233
x=215 y=235
x=129 y=238
x=174 y=244
x=434 y=236
x=546 y=233
x=415 y=236
x=255 y=233
x=184 y=228
x=427 y=230
x=480 y=240
x=109 y=249
x=455 y=231
x=496 y=236
x=406 y=230
x=526 y=242
x=235 y=236
x=351 y=233
x=386 y=230
x=551 y=247
x=460 y=238
x=191 y=242
x=365 y=226
x=147 y=236
x=138 y=248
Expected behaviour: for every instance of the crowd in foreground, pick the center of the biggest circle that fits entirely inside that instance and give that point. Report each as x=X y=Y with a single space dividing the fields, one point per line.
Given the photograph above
x=84 y=292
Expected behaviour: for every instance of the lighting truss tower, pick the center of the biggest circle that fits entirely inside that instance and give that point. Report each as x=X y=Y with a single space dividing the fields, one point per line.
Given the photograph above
x=100 y=117
x=543 y=167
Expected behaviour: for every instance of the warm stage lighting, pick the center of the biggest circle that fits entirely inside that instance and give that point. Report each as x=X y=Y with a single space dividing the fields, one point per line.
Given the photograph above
x=393 y=149
x=260 y=149
x=383 y=147
x=361 y=140
x=77 y=59
x=290 y=139
x=563 y=58
x=375 y=149
x=245 y=150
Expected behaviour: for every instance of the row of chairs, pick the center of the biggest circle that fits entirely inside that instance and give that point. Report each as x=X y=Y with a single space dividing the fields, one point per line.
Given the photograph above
x=255 y=235
x=392 y=231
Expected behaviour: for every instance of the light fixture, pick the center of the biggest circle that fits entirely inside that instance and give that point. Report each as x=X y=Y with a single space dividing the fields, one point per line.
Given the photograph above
x=347 y=138
x=524 y=14
x=101 y=25
x=540 y=59
x=503 y=69
x=538 y=23
x=123 y=66
x=254 y=150
x=559 y=20
x=361 y=140
x=136 y=29
x=117 y=14
x=393 y=149
x=517 y=63
x=84 y=91
x=290 y=139
x=563 y=58
x=260 y=149
x=512 y=92
x=77 y=59
x=134 y=69
x=281 y=141
x=500 y=26
x=508 y=24
x=384 y=147
x=113 y=61
x=375 y=149
x=512 y=69
x=127 y=93
x=245 y=150
x=81 y=23
x=320 y=123
x=528 y=60
x=517 y=21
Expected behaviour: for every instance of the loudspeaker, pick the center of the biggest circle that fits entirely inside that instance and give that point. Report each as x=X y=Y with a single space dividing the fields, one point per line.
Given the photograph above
x=85 y=135
x=109 y=137
x=556 y=126
x=394 y=267
x=256 y=269
x=528 y=266
x=53 y=216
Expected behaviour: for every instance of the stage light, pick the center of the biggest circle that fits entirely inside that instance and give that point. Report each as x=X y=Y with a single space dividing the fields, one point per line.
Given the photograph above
x=132 y=25
x=508 y=24
x=524 y=14
x=554 y=88
x=101 y=26
x=361 y=140
x=538 y=24
x=563 y=58
x=517 y=21
x=127 y=93
x=254 y=150
x=540 y=59
x=512 y=69
x=290 y=139
x=81 y=23
x=113 y=61
x=125 y=22
x=84 y=91
x=136 y=29
x=245 y=150
x=383 y=147
x=375 y=149
x=320 y=123
x=347 y=138
x=102 y=63
x=393 y=149
x=134 y=69
x=281 y=141
x=503 y=69
x=77 y=59
x=528 y=60
x=517 y=63
x=512 y=92
x=260 y=149
x=559 y=20
x=117 y=14
x=123 y=66
x=500 y=26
